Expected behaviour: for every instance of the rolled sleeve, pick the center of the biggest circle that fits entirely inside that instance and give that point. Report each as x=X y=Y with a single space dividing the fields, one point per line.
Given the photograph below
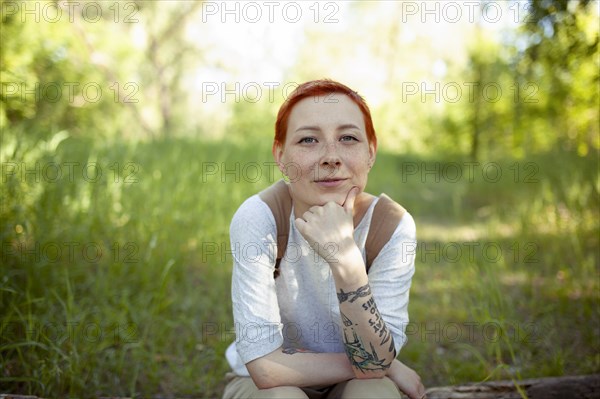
x=390 y=278
x=255 y=308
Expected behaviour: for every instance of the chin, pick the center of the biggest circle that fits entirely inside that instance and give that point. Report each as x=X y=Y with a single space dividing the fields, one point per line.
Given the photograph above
x=337 y=198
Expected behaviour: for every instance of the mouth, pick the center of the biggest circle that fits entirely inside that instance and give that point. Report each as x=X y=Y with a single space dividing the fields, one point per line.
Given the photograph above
x=330 y=182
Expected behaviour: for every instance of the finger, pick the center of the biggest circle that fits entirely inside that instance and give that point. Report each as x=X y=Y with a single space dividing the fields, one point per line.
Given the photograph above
x=314 y=208
x=350 y=198
x=308 y=216
x=300 y=225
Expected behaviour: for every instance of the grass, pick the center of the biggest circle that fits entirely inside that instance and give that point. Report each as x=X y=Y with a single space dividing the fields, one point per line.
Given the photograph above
x=120 y=284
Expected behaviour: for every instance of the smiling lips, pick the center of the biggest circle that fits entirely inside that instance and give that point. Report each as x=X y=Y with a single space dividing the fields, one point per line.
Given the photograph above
x=330 y=182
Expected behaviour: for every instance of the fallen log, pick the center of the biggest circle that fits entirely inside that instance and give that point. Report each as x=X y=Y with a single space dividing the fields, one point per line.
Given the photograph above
x=567 y=387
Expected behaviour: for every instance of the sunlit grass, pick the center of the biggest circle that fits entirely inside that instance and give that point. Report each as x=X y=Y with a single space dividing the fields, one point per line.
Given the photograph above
x=142 y=303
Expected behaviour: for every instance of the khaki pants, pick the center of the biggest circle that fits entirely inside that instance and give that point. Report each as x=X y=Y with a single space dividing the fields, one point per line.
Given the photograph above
x=244 y=388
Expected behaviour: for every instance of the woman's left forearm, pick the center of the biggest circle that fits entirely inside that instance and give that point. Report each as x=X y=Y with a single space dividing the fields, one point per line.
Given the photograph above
x=368 y=342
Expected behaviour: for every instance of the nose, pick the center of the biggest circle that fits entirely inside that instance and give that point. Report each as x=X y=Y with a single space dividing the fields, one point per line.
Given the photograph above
x=331 y=157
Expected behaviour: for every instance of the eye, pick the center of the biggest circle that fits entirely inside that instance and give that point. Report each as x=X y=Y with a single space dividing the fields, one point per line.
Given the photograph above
x=349 y=138
x=308 y=140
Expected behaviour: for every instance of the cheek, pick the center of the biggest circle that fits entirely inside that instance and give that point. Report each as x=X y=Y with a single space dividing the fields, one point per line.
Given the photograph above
x=297 y=166
x=360 y=163
x=306 y=161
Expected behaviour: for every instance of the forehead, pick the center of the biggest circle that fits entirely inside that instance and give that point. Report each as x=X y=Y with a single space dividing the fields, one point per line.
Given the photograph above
x=335 y=109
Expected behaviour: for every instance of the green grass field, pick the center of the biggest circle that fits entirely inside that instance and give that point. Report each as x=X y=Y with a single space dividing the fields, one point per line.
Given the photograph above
x=119 y=283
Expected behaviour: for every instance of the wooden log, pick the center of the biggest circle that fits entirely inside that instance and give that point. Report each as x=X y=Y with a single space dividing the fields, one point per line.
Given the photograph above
x=568 y=387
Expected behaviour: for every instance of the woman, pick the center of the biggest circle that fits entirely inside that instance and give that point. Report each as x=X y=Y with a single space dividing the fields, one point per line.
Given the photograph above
x=324 y=327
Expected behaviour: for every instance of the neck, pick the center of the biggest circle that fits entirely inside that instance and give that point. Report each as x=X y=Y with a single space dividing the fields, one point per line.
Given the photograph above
x=362 y=203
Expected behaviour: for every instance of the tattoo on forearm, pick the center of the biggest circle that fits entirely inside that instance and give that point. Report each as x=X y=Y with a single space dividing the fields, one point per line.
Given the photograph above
x=347 y=322
x=359 y=356
x=378 y=323
x=352 y=296
x=291 y=351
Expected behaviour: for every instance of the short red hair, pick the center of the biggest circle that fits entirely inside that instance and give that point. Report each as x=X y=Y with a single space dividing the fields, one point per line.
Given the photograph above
x=318 y=88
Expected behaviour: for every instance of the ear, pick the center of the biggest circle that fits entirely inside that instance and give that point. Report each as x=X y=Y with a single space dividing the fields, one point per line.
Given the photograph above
x=278 y=155
x=372 y=153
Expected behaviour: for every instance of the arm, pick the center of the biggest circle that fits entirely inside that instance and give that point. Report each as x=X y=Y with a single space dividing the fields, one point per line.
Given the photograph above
x=293 y=367
x=299 y=368
x=389 y=278
x=368 y=342
x=407 y=380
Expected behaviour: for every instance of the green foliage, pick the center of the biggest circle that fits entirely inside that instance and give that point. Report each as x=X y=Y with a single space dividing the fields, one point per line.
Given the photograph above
x=548 y=75
x=252 y=122
x=107 y=284
x=562 y=56
x=528 y=89
x=119 y=284
x=48 y=82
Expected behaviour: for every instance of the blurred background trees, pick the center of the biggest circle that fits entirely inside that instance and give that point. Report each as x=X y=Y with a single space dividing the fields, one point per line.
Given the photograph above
x=522 y=83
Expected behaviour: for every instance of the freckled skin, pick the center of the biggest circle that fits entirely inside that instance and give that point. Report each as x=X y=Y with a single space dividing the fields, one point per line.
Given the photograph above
x=325 y=139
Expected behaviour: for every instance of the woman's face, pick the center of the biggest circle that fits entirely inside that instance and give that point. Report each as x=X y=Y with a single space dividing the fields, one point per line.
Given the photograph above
x=326 y=151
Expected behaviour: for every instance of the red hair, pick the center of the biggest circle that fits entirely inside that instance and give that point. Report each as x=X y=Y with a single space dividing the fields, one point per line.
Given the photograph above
x=317 y=88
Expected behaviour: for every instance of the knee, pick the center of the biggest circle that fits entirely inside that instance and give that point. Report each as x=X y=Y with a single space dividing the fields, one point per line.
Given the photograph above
x=381 y=388
x=285 y=392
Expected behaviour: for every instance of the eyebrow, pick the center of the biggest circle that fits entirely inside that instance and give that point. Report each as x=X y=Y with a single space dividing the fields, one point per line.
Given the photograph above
x=318 y=129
